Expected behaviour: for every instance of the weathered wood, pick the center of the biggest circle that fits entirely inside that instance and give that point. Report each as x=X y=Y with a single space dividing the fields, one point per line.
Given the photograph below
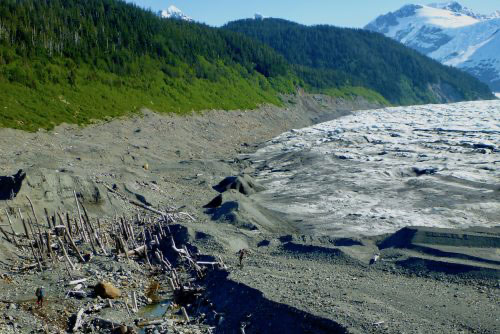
x=89 y=223
x=204 y=263
x=132 y=232
x=103 y=323
x=66 y=265
x=150 y=322
x=37 y=224
x=25 y=229
x=11 y=227
x=143 y=206
x=61 y=244
x=79 y=320
x=134 y=301
x=47 y=217
x=172 y=284
x=82 y=224
x=99 y=243
x=35 y=256
x=78 y=281
x=124 y=247
x=72 y=242
x=5 y=234
x=34 y=235
x=32 y=209
x=68 y=222
x=128 y=309
x=184 y=313
x=76 y=293
x=77 y=228
x=136 y=251
x=54 y=220
x=42 y=243
x=147 y=257
x=89 y=233
x=178 y=250
x=223 y=266
x=49 y=246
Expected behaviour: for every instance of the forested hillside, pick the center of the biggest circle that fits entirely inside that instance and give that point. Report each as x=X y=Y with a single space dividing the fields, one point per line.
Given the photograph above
x=77 y=61
x=74 y=61
x=326 y=57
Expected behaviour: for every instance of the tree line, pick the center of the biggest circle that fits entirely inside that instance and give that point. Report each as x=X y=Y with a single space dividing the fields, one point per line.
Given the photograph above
x=326 y=56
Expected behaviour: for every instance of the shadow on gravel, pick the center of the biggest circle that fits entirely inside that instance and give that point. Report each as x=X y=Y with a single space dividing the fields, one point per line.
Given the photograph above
x=432 y=267
x=318 y=253
x=240 y=306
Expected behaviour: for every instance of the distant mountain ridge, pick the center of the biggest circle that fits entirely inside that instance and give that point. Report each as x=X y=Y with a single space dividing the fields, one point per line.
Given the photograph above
x=450 y=33
x=327 y=57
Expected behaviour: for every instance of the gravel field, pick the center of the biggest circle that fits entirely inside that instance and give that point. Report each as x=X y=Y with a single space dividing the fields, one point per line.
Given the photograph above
x=292 y=281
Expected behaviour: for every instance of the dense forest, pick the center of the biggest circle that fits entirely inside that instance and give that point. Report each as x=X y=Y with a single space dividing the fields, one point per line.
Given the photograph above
x=326 y=57
x=77 y=61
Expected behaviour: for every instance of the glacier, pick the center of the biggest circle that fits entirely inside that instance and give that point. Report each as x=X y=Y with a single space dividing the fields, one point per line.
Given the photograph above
x=377 y=171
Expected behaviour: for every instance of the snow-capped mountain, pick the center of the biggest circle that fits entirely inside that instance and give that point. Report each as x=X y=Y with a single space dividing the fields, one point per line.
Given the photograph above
x=449 y=33
x=173 y=12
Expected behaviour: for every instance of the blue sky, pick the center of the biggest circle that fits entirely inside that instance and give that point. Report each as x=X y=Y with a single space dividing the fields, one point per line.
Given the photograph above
x=346 y=13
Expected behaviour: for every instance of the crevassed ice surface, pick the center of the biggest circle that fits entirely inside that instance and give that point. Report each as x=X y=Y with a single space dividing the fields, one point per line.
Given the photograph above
x=377 y=171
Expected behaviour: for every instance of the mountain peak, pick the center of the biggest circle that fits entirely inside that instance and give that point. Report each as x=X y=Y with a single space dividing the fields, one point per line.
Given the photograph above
x=450 y=33
x=455 y=7
x=494 y=15
x=173 y=12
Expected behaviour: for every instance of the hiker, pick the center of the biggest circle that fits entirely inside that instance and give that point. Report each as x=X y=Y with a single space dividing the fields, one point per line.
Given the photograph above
x=375 y=258
x=40 y=294
x=242 y=252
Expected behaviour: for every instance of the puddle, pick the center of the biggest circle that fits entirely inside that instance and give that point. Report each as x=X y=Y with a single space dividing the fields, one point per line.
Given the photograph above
x=154 y=311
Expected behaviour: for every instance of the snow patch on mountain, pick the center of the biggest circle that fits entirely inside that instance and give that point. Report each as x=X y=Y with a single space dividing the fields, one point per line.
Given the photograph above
x=173 y=12
x=449 y=33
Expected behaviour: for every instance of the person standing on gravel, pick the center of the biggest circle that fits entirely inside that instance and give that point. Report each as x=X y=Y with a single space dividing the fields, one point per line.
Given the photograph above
x=375 y=258
x=242 y=253
x=40 y=294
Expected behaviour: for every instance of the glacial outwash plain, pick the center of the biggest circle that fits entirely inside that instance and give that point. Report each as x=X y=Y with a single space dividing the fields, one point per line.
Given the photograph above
x=312 y=206
x=171 y=172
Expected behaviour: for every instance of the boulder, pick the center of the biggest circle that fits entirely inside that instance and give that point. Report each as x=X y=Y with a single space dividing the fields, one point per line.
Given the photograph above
x=11 y=185
x=107 y=290
x=244 y=184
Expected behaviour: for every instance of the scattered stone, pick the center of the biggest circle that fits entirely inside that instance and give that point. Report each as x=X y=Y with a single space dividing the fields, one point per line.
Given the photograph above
x=424 y=171
x=107 y=290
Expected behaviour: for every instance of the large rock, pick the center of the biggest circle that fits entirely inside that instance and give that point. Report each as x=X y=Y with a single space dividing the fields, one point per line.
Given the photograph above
x=11 y=185
x=107 y=290
x=243 y=184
